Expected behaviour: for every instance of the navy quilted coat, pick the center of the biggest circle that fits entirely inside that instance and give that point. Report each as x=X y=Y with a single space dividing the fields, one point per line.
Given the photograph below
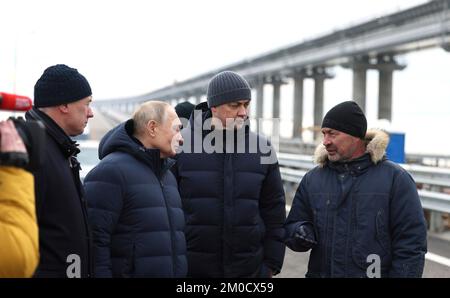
x=234 y=207
x=365 y=208
x=135 y=210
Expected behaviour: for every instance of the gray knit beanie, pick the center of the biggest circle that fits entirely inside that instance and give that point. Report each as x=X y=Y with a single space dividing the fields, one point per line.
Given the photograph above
x=227 y=86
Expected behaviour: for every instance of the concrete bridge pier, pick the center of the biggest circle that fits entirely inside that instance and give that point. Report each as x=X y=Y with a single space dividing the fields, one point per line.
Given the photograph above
x=360 y=81
x=319 y=75
x=359 y=65
x=276 y=82
x=297 y=118
x=386 y=66
x=259 y=86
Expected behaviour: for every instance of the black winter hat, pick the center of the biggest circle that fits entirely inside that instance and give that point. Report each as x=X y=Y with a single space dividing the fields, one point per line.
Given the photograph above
x=227 y=86
x=346 y=117
x=60 y=84
x=184 y=109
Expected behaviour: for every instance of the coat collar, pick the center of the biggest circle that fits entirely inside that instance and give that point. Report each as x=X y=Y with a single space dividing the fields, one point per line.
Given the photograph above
x=121 y=139
x=68 y=147
x=376 y=144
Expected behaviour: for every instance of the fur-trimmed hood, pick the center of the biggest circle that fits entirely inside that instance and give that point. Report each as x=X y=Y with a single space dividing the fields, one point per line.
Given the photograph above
x=376 y=140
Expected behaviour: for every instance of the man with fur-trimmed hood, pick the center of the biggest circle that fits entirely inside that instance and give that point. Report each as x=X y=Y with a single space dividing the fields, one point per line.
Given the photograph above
x=359 y=212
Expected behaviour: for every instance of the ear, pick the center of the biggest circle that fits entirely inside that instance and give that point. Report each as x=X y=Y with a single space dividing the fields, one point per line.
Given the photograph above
x=151 y=127
x=214 y=110
x=64 y=108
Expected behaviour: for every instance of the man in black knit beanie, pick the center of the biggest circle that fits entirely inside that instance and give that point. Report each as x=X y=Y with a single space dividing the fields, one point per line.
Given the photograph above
x=359 y=213
x=61 y=102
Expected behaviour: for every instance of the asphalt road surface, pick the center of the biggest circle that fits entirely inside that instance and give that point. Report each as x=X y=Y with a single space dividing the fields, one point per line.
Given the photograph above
x=295 y=263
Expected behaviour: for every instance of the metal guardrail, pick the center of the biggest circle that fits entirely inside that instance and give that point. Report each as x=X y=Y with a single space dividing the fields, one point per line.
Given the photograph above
x=432 y=176
x=435 y=201
x=435 y=160
x=296 y=145
x=293 y=167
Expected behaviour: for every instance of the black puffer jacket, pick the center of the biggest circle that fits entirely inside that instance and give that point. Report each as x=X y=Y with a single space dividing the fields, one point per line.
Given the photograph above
x=135 y=210
x=234 y=206
x=60 y=205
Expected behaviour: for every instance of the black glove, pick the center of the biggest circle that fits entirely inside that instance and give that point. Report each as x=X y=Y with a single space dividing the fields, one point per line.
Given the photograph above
x=305 y=236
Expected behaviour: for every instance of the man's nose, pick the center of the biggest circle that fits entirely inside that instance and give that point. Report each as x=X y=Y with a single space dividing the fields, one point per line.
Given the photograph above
x=326 y=141
x=242 y=111
x=90 y=113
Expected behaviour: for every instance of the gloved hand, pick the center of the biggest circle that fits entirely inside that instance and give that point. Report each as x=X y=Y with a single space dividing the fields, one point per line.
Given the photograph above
x=305 y=235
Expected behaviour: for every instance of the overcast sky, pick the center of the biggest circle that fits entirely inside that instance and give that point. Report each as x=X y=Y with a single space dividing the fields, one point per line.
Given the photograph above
x=131 y=47
x=128 y=48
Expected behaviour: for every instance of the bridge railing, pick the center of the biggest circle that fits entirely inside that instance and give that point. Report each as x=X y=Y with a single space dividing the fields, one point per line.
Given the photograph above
x=433 y=183
x=296 y=145
x=435 y=160
x=115 y=116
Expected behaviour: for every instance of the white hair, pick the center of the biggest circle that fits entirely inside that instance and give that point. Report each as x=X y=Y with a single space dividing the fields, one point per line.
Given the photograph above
x=150 y=110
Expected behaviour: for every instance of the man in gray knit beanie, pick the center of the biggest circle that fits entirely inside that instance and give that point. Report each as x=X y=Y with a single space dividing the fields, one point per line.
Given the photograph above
x=229 y=96
x=231 y=188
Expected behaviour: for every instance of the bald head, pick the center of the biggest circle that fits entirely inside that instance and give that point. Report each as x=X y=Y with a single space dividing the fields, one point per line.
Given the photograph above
x=150 y=110
x=158 y=126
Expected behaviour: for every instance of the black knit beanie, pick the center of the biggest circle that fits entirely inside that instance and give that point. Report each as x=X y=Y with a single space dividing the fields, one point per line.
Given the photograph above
x=346 y=117
x=60 y=84
x=184 y=109
x=227 y=86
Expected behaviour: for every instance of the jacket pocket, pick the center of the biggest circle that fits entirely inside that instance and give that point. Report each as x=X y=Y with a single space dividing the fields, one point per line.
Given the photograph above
x=322 y=205
x=261 y=229
x=371 y=234
x=382 y=233
x=129 y=263
x=321 y=208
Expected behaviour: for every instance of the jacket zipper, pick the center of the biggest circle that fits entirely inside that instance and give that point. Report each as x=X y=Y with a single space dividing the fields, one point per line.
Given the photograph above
x=326 y=237
x=83 y=204
x=170 y=226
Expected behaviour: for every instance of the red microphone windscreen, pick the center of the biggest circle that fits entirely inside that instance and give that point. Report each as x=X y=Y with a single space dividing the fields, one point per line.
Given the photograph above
x=14 y=102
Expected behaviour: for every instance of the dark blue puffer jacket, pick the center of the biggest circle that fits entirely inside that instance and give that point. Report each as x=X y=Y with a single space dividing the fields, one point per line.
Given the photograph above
x=135 y=210
x=234 y=207
x=368 y=206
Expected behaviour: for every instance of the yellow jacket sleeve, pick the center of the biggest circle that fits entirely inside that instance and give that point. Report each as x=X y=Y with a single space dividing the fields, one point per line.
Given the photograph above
x=19 y=247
